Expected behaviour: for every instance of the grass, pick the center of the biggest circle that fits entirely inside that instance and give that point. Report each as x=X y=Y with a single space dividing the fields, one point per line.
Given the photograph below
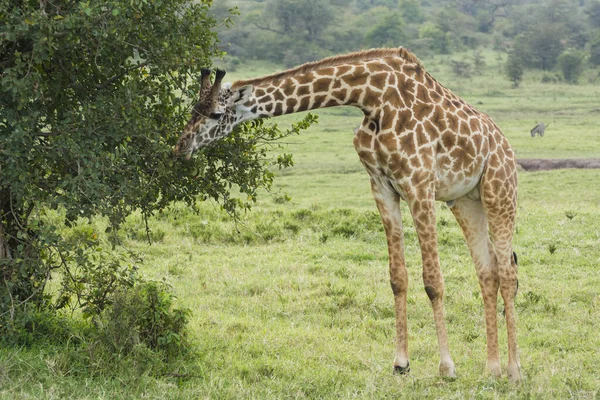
x=294 y=301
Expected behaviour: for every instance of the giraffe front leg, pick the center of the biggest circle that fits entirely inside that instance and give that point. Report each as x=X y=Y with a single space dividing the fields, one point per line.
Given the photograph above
x=423 y=212
x=389 y=209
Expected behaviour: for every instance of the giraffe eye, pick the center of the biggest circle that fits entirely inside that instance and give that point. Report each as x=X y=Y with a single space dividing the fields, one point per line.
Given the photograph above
x=215 y=115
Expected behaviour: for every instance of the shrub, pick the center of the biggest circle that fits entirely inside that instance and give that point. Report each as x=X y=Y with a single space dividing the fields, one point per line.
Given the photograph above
x=143 y=315
x=571 y=65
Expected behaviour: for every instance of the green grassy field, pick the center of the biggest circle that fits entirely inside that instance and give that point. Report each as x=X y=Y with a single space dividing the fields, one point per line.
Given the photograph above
x=294 y=300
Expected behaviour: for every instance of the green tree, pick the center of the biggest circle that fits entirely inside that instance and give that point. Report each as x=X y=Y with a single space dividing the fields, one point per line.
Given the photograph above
x=514 y=68
x=93 y=96
x=387 y=33
x=593 y=13
x=594 y=49
x=307 y=18
x=436 y=39
x=571 y=65
x=541 y=45
x=412 y=12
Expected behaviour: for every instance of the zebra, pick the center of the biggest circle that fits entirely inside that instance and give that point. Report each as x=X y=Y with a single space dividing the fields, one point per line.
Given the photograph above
x=539 y=129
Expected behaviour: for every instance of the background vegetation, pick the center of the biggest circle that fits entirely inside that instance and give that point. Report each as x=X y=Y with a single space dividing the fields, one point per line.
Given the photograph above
x=549 y=35
x=292 y=299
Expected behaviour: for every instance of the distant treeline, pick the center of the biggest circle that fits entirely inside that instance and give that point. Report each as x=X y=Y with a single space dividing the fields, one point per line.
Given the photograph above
x=535 y=32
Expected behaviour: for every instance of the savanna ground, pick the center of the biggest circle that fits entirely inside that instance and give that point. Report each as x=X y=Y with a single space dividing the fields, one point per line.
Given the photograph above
x=293 y=301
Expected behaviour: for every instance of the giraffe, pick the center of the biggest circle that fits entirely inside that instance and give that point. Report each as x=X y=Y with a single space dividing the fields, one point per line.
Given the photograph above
x=419 y=143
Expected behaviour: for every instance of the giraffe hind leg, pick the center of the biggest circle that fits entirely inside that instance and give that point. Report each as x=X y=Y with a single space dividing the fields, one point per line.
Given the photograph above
x=471 y=217
x=499 y=202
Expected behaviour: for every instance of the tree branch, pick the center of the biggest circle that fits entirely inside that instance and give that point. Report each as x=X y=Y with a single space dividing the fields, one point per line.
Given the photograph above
x=266 y=28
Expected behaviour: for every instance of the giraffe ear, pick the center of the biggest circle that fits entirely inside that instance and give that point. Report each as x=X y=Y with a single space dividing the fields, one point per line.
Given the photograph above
x=242 y=95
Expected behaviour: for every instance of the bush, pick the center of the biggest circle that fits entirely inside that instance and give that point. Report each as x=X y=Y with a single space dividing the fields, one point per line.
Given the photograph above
x=143 y=315
x=571 y=65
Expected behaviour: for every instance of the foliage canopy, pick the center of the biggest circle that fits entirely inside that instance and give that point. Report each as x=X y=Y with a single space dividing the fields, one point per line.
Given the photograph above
x=93 y=95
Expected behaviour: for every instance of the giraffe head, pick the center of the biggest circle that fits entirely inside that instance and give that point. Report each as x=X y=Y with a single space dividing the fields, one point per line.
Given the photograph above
x=218 y=111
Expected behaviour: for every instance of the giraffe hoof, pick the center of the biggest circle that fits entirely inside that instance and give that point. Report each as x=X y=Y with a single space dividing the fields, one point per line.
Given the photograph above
x=398 y=370
x=494 y=369
x=514 y=373
x=447 y=369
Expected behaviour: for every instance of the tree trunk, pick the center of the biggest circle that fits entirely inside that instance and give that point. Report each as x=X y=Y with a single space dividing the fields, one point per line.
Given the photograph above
x=4 y=247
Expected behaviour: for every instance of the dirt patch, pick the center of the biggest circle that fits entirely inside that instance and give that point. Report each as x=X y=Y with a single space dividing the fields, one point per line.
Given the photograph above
x=541 y=164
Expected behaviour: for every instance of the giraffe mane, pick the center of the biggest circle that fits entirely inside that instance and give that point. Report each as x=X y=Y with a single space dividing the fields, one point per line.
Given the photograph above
x=333 y=61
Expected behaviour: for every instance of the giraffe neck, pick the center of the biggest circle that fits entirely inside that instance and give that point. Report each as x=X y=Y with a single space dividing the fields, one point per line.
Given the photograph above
x=352 y=84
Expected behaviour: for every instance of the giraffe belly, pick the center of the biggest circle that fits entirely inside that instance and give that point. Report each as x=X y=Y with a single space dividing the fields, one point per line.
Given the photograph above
x=450 y=185
x=449 y=193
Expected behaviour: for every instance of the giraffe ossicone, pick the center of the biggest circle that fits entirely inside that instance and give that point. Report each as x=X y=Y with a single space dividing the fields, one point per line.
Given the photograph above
x=419 y=143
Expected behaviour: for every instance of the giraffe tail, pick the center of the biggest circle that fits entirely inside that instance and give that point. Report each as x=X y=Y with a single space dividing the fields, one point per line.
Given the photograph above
x=516 y=264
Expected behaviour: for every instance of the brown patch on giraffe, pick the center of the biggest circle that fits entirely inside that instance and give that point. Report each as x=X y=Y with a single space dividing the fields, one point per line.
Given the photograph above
x=340 y=94
x=464 y=128
x=493 y=161
x=388 y=141
x=452 y=122
x=372 y=99
x=269 y=107
x=456 y=102
x=363 y=140
x=419 y=177
x=406 y=88
x=278 y=95
x=337 y=83
x=305 y=79
x=423 y=94
x=422 y=110
x=356 y=79
x=431 y=129
x=291 y=103
x=435 y=96
x=391 y=95
x=319 y=100
x=332 y=102
x=392 y=80
x=303 y=90
x=407 y=142
x=265 y=99
x=377 y=66
x=477 y=143
x=355 y=96
x=429 y=81
x=399 y=166
x=427 y=160
x=462 y=114
x=413 y=70
x=343 y=69
x=449 y=140
x=327 y=71
x=321 y=85
x=387 y=119
x=439 y=119
x=378 y=80
x=406 y=122
x=289 y=89
x=259 y=93
x=278 y=109
x=475 y=125
x=422 y=137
